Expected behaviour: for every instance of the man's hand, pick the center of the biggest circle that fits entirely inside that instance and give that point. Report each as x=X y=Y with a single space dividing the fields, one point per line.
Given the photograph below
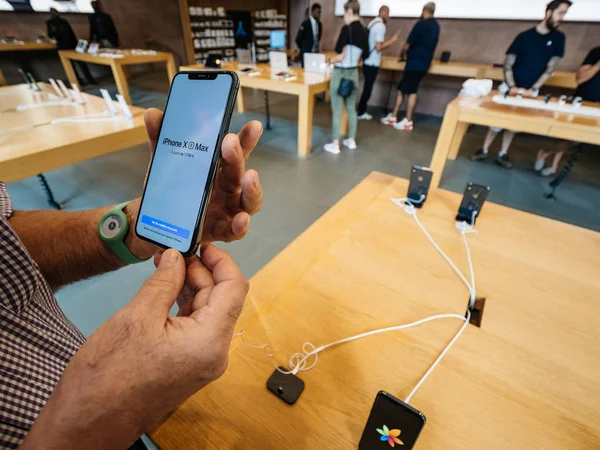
x=236 y=196
x=396 y=37
x=142 y=364
x=515 y=90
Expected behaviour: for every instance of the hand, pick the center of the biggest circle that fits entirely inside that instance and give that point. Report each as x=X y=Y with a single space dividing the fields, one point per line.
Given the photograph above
x=396 y=36
x=236 y=196
x=142 y=364
x=514 y=90
x=528 y=93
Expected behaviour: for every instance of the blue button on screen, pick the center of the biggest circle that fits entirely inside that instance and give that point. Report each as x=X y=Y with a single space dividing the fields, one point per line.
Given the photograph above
x=164 y=226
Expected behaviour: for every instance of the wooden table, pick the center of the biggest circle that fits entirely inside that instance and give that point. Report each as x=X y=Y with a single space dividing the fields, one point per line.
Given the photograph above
x=20 y=94
x=305 y=87
x=27 y=46
x=463 y=111
x=527 y=379
x=32 y=145
x=117 y=65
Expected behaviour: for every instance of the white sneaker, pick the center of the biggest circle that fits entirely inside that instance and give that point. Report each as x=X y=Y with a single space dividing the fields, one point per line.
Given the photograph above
x=404 y=125
x=539 y=162
x=332 y=147
x=365 y=116
x=547 y=172
x=350 y=143
x=389 y=120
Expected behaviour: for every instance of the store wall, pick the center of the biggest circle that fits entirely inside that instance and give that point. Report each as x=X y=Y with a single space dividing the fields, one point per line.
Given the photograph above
x=478 y=41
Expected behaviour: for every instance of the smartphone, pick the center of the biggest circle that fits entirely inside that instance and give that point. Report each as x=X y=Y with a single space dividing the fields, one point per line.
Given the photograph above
x=420 y=179
x=391 y=423
x=472 y=203
x=186 y=159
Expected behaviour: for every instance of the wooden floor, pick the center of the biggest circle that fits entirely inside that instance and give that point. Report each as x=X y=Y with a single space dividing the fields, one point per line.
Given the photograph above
x=527 y=379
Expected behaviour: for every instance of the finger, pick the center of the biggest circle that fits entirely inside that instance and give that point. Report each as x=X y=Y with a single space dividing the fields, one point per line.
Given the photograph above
x=227 y=297
x=159 y=292
x=200 y=281
x=249 y=136
x=232 y=164
x=240 y=225
x=252 y=192
x=153 y=119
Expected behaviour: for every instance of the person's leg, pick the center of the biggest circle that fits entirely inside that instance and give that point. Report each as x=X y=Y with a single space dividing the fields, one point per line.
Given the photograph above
x=507 y=139
x=336 y=110
x=558 y=150
x=410 y=106
x=370 y=73
x=398 y=104
x=482 y=153
x=350 y=102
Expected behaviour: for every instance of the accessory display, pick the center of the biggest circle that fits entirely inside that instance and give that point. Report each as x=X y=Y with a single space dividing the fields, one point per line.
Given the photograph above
x=112 y=229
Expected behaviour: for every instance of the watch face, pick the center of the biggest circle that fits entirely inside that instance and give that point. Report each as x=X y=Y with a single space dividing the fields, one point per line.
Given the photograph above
x=112 y=226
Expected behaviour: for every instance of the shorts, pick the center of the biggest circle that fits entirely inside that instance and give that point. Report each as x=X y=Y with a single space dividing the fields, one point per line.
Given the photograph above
x=411 y=81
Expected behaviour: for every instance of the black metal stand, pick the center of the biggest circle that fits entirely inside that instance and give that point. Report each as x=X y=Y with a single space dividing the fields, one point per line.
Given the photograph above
x=267 y=110
x=564 y=173
x=49 y=195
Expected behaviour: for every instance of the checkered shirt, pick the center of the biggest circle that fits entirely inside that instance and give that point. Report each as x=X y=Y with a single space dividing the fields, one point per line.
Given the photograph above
x=37 y=341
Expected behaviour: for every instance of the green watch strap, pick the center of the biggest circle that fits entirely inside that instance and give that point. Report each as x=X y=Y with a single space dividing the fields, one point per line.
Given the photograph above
x=112 y=229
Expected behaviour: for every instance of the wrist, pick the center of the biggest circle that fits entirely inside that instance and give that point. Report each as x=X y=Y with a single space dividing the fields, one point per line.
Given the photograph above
x=139 y=248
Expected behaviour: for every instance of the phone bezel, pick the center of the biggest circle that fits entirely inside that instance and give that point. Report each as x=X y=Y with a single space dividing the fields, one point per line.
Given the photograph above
x=214 y=167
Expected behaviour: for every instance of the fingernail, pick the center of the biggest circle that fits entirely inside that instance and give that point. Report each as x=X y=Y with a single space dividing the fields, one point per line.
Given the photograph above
x=168 y=258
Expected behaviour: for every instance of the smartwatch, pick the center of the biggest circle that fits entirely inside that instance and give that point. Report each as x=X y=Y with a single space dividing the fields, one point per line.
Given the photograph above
x=112 y=229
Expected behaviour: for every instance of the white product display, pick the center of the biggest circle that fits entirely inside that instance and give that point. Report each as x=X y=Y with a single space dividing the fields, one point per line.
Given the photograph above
x=124 y=106
x=559 y=106
x=77 y=95
x=93 y=49
x=108 y=101
x=64 y=89
x=278 y=61
x=56 y=88
x=81 y=46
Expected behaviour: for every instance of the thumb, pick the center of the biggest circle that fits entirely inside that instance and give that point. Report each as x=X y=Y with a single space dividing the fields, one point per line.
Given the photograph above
x=159 y=292
x=153 y=119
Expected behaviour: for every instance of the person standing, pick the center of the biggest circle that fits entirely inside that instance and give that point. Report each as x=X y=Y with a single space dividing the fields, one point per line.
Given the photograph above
x=377 y=43
x=352 y=45
x=588 y=80
x=102 y=27
x=530 y=61
x=309 y=34
x=60 y=30
x=418 y=51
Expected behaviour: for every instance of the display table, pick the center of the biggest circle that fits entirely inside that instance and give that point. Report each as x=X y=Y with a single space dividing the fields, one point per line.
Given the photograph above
x=117 y=65
x=32 y=145
x=27 y=46
x=526 y=379
x=305 y=87
x=463 y=111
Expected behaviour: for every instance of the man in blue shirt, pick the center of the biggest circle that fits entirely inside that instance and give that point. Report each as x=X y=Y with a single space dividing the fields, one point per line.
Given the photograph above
x=530 y=61
x=419 y=49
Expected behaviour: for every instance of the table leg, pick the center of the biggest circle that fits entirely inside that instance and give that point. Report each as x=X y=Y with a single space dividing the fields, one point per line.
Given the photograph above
x=171 y=68
x=444 y=142
x=461 y=130
x=2 y=79
x=121 y=81
x=241 y=102
x=69 y=70
x=306 y=106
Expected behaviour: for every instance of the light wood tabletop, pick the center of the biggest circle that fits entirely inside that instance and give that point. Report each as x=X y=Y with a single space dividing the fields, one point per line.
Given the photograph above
x=526 y=379
x=31 y=144
x=117 y=65
x=27 y=46
x=464 y=111
x=305 y=86
x=20 y=94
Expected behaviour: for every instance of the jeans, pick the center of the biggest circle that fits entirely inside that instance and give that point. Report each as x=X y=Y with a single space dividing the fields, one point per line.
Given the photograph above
x=337 y=102
x=370 y=76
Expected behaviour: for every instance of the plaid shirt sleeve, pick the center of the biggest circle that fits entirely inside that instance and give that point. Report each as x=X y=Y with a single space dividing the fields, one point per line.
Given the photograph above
x=5 y=202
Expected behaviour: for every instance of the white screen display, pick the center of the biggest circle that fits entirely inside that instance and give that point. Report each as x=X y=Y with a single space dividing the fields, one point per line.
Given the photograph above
x=68 y=6
x=582 y=10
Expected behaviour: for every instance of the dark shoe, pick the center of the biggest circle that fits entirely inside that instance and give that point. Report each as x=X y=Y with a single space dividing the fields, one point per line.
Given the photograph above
x=479 y=155
x=503 y=161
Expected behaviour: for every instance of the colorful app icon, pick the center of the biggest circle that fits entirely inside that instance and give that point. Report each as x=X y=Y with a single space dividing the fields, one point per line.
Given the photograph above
x=391 y=436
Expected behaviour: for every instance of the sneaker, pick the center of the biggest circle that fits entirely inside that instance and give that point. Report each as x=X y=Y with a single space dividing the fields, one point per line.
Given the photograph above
x=539 y=162
x=503 y=161
x=365 y=116
x=389 y=120
x=404 y=125
x=350 y=143
x=479 y=155
x=332 y=147
x=548 y=172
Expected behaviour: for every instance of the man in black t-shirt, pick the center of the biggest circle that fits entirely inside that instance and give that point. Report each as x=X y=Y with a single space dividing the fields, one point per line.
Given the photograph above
x=588 y=80
x=102 y=27
x=530 y=61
